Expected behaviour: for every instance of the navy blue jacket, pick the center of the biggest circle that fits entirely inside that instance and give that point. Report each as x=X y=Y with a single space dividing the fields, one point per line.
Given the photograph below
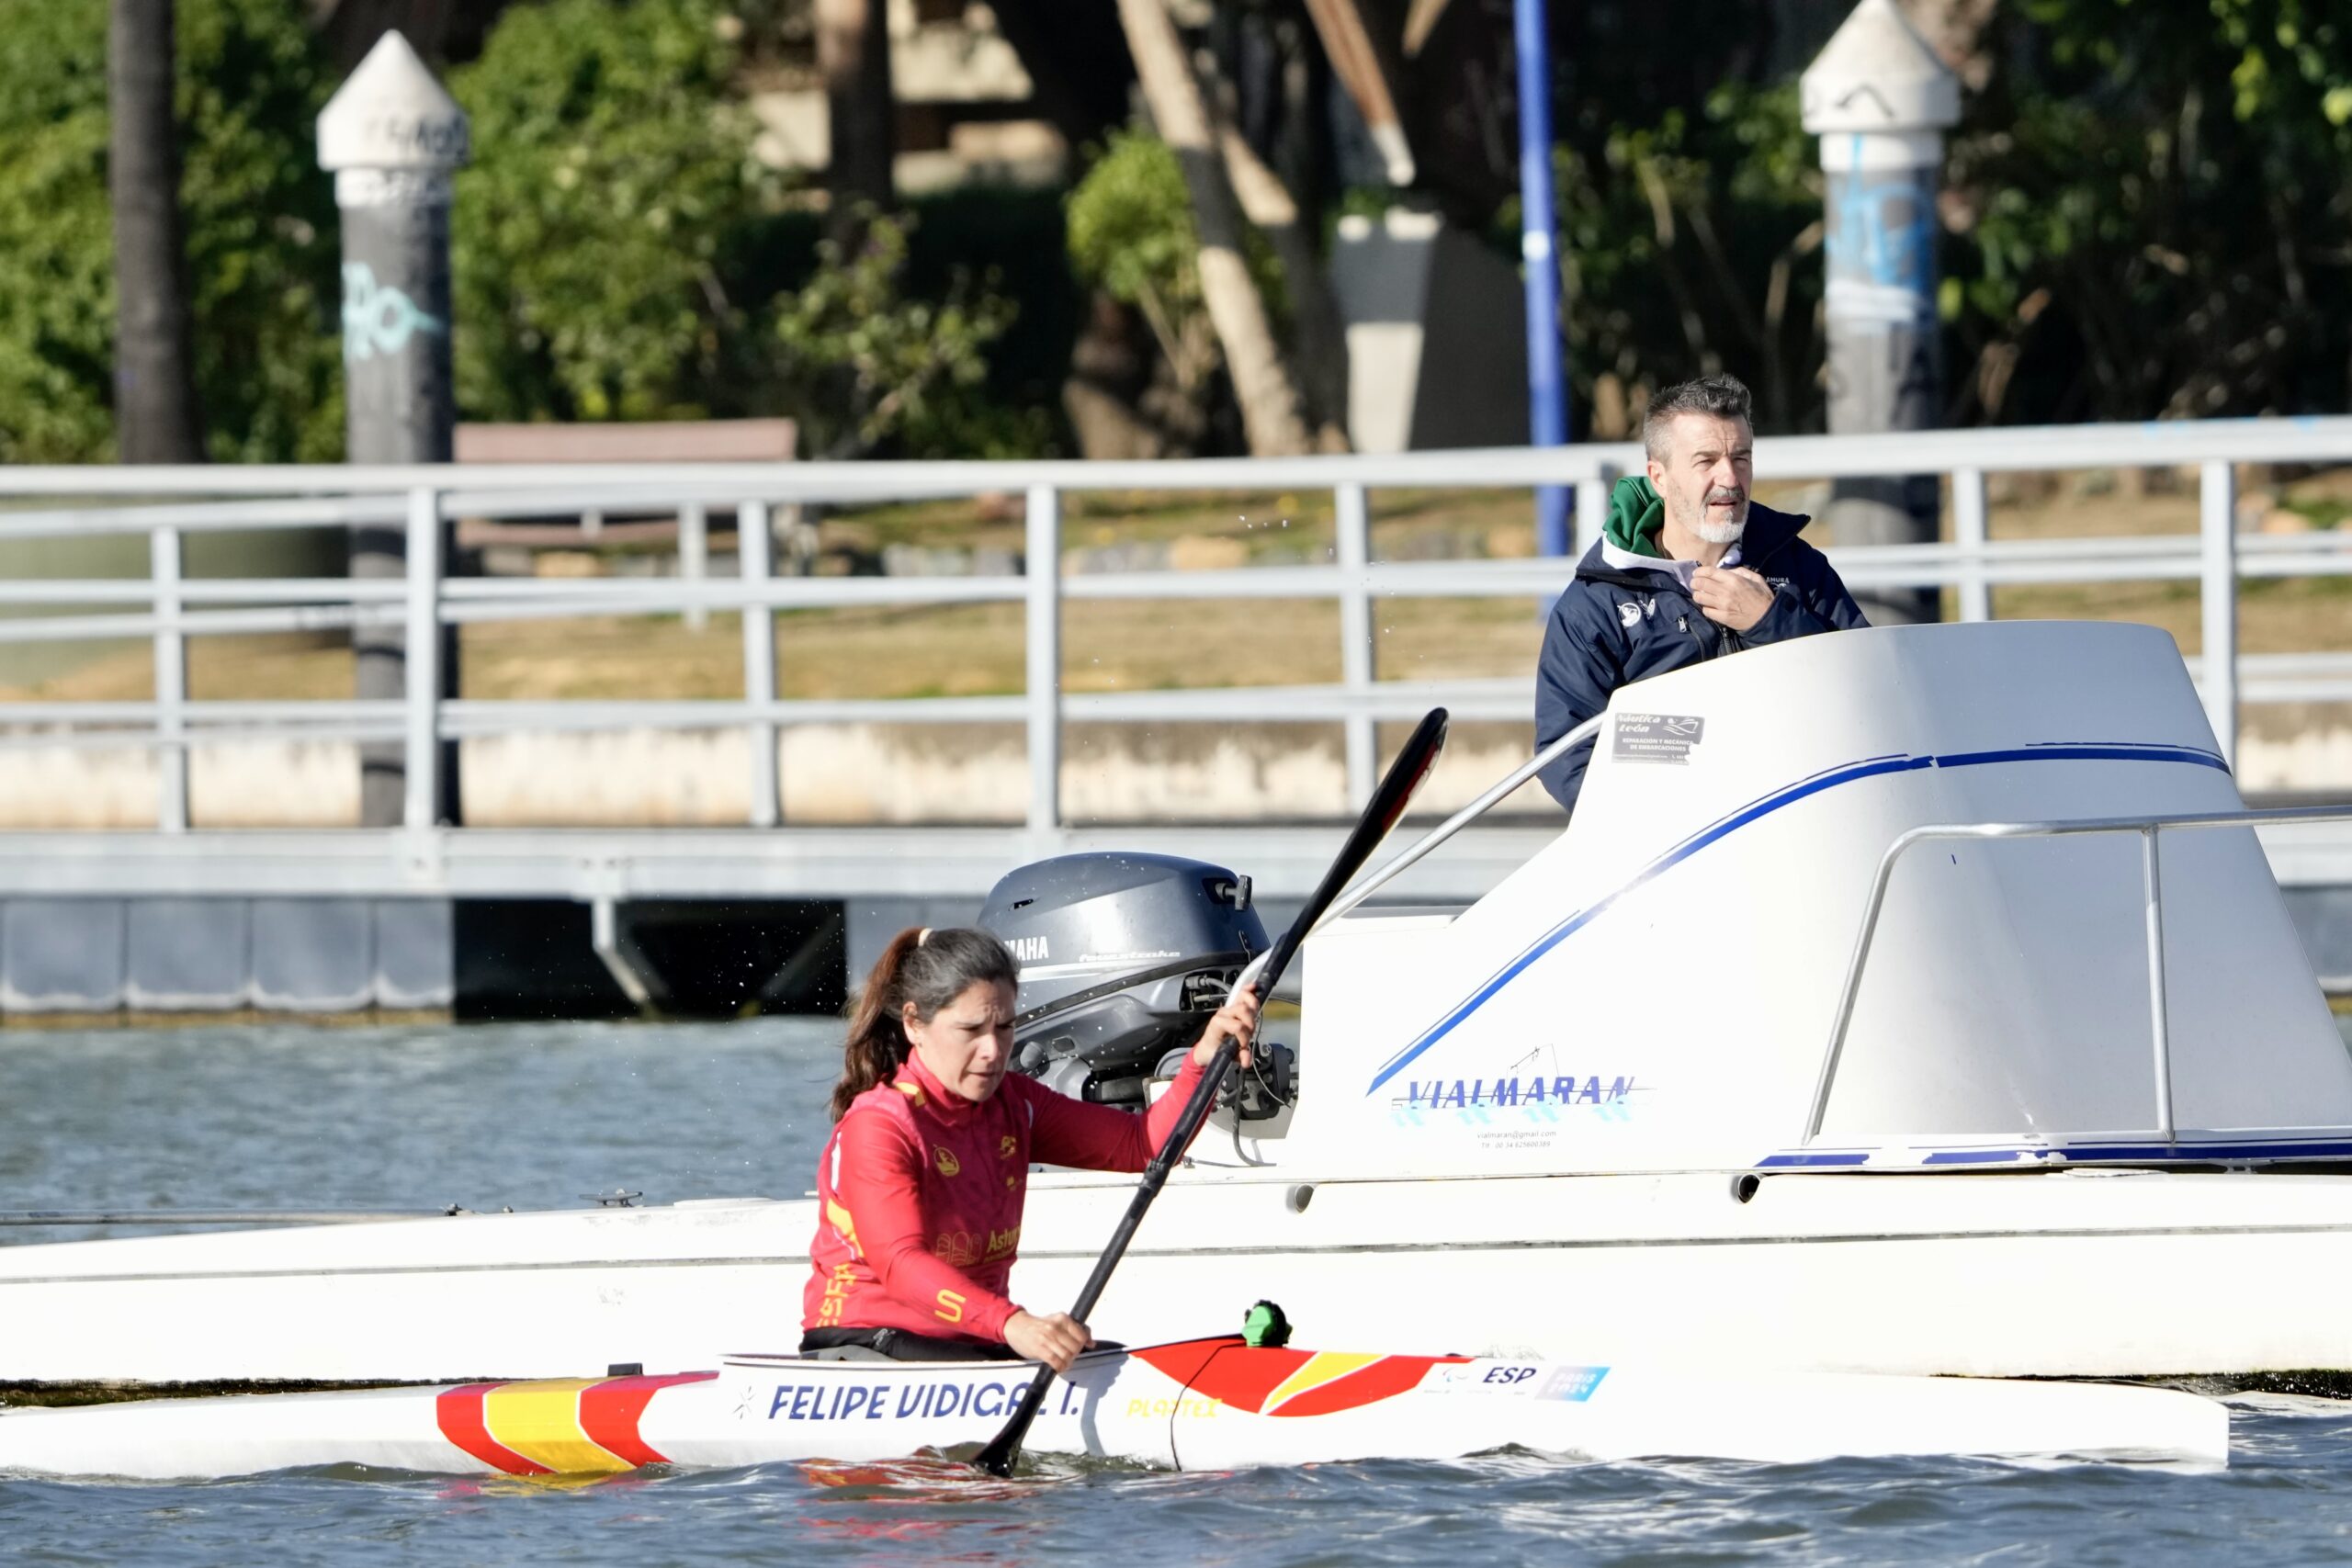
x=1616 y=624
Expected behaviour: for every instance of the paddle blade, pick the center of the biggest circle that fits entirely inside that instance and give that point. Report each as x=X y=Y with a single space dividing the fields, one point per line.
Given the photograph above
x=1404 y=778
x=1415 y=761
x=1004 y=1450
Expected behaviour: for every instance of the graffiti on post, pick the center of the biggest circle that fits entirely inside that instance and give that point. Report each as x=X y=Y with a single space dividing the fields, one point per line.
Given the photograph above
x=1882 y=248
x=379 y=319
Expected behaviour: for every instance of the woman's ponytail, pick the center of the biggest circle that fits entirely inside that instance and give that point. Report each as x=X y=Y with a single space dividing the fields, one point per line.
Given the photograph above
x=929 y=969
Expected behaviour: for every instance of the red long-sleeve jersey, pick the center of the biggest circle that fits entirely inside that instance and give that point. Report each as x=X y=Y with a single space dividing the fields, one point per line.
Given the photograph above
x=920 y=1194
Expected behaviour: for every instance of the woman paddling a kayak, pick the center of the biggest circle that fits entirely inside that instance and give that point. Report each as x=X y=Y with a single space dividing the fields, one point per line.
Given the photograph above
x=920 y=1188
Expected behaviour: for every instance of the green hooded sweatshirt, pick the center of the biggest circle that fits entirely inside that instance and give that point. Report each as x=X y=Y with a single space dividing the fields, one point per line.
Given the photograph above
x=1635 y=517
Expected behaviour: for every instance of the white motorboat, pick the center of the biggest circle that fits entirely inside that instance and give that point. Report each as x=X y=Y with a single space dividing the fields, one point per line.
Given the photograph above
x=1196 y=1404
x=1909 y=1000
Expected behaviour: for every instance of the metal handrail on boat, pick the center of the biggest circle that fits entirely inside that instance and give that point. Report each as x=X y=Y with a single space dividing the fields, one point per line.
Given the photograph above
x=2147 y=827
x=1430 y=841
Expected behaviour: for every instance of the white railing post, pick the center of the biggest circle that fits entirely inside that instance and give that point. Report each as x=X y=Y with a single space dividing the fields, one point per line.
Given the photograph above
x=1352 y=518
x=753 y=546
x=1969 y=533
x=171 y=685
x=1592 y=507
x=1044 y=663
x=693 y=555
x=421 y=659
x=2218 y=599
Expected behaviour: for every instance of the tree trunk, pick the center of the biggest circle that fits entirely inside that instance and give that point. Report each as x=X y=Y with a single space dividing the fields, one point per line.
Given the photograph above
x=1365 y=63
x=1320 y=337
x=1262 y=384
x=154 y=376
x=854 y=54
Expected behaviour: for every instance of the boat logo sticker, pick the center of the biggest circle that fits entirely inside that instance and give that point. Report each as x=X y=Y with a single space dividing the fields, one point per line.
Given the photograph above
x=946 y=1161
x=1656 y=737
x=1572 y=1383
x=1513 y=1112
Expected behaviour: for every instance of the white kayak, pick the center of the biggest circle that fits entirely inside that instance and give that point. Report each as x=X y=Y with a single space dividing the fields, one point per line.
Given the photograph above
x=1194 y=1405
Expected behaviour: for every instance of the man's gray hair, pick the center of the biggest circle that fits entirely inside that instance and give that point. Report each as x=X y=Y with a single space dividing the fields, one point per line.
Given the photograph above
x=1725 y=397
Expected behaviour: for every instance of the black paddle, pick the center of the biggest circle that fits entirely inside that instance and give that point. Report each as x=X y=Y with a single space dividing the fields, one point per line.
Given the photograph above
x=1405 y=776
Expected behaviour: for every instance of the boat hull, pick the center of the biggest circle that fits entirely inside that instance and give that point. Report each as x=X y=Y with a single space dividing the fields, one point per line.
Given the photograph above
x=2032 y=1274
x=1214 y=1404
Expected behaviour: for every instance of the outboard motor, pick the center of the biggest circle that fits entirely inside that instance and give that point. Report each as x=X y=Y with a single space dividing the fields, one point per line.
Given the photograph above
x=1123 y=959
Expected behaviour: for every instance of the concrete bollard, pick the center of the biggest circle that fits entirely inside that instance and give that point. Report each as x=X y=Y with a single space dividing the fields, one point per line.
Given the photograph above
x=1881 y=101
x=391 y=137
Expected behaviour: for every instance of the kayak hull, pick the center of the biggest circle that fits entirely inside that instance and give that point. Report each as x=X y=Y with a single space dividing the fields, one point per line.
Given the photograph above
x=1192 y=1404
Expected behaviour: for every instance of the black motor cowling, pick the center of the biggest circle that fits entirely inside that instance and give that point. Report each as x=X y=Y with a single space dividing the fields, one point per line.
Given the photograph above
x=1124 y=957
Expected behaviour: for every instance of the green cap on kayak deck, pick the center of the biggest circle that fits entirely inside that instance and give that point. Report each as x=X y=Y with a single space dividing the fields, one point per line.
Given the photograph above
x=1263 y=1326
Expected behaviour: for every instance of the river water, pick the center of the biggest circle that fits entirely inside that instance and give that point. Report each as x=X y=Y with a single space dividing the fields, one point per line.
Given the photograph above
x=289 y=1116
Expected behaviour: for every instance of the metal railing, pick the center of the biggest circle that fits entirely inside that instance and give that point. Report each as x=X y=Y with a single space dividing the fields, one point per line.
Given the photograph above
x=170 y=607
x=1493 y=795
x=2152 y=898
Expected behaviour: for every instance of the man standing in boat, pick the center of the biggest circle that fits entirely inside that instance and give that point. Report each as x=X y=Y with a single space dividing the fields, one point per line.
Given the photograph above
x=1688 y=568
x=919 y=1190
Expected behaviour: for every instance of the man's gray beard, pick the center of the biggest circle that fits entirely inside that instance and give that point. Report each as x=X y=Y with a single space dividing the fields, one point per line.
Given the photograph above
x=1721 y=533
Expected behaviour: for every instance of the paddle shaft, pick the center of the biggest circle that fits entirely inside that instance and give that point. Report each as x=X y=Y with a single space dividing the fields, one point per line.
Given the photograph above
x=1155 y=1177
x=998 y=1458
x=1388 y=802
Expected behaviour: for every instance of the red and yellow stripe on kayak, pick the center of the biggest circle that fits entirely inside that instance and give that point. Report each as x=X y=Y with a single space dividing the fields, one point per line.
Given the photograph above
x=1264 y=1380
x=558 y=1426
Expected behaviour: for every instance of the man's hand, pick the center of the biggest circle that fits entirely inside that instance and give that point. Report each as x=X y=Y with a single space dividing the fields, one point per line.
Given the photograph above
x=1055 y=1338
x=1730 y=596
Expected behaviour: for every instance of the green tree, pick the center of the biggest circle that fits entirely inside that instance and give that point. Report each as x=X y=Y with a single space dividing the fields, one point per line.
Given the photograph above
x=2152 y=214
x=621 y=254
x=264 y=244
x=56 y=267
x=260 y=234
x=613 y=178
x=864 y=365
x=2147 y=214
x=1130 y=235
x=1687 y=246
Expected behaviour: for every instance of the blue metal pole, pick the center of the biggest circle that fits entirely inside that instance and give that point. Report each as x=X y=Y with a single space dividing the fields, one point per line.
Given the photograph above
x=1547 y=391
